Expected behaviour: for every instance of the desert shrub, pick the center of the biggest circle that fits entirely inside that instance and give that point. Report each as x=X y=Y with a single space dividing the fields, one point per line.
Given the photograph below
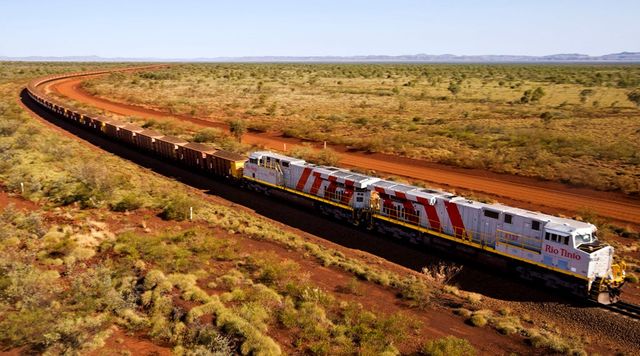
x=231 y=279
x=448 y=346
x=326 y=157
x=153 y=278
x=351 y=287
x=31 y=222
x=473 y=298
x=631 y=278
x=465 y=313
x=170 y=252
x=177 y=207
x=480 y=318
x=128 y=202
x=207 y=135
x=270 y=270
x=415 y=291
x=256 y=314
x=441 y=273
x=507 y=324
x=369 y=332
x=542 y=339
x=9 y=127
x=205 y=340
x=634 y=97
x=255 y=342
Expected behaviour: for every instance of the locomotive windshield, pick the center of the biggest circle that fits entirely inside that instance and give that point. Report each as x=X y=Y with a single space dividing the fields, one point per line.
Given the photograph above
x=584 y=239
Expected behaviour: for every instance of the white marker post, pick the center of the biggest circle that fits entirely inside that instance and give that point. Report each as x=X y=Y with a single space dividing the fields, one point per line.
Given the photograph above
x=22 y=188
x=325 y=145
x=285 y=147
x=191 y=213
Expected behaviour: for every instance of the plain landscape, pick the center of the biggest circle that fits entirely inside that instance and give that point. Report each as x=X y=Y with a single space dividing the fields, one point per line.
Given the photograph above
x=99 y=255
x=569 y=123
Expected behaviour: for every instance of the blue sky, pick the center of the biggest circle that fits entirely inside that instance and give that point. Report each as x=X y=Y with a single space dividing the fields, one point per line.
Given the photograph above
x=190 y=28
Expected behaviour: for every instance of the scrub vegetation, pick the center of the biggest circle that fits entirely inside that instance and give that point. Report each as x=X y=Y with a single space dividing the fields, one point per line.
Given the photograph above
x=576 y=124
x=104 y=257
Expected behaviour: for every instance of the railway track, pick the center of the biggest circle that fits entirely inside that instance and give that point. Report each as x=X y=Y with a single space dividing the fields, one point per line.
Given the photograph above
x=624 y=308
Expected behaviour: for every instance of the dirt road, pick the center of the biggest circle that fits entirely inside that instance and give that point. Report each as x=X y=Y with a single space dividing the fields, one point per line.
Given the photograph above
x=524 y=192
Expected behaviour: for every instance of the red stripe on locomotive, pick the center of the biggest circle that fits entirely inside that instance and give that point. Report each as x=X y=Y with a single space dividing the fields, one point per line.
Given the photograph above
x=330 y=192
x=432 y=214
x=317 y=182
x=392 y=211
x=303 y=178
x=456 y=219
x=346 y=197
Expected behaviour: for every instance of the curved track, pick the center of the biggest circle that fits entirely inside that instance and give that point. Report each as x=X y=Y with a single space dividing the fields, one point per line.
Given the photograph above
x=528 y=193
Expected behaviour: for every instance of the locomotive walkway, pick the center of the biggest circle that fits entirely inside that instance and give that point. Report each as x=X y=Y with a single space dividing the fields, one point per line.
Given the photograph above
x=518 y=191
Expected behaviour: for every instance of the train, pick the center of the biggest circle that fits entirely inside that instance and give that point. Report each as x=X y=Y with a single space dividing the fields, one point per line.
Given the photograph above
x=559 y=252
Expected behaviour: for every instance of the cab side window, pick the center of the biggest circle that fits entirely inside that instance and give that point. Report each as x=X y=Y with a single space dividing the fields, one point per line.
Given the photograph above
x=556 y=238
x=535 y=225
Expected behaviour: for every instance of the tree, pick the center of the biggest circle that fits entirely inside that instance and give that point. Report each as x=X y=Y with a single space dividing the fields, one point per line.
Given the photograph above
x=238 y=128
x=585 y=94
x=454 y=88
x=537 y=94
x=634 y=97
x=532 y=96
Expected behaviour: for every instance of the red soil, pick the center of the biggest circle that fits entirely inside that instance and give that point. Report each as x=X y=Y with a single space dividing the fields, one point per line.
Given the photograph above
x=119 y=342
x=17 y=202
x=526 y=192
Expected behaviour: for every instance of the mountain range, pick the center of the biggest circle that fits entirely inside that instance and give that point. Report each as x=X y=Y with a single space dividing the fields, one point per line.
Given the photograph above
x=622 y=57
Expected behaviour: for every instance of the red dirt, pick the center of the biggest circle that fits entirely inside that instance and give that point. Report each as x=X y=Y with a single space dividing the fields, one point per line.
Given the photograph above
x=119 y=342
x=527 y=192
x=18 y=202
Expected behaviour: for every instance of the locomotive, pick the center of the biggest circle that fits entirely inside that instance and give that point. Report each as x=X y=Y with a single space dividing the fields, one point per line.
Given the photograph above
x=560 y=252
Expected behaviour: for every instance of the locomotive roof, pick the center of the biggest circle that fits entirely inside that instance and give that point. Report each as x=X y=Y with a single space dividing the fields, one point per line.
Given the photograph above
x=356 y=177
x=259 y=154
x=412 y=190
x=552 y=222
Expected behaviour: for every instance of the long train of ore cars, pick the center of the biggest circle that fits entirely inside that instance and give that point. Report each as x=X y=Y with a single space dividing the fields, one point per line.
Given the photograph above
x=561 y=252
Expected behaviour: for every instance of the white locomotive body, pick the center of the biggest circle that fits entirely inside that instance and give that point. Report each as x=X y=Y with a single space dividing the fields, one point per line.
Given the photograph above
x=538 y=242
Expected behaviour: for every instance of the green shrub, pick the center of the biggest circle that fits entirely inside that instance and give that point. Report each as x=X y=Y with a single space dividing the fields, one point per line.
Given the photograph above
x=448 y=346
x=546 y=340
x=507 y=325
x=631 y=278
x=415 y=291
x=465 y=313
x=177 y=207
x=480 y=318
x=129 y=202
x=207 y=135
x=352 y=287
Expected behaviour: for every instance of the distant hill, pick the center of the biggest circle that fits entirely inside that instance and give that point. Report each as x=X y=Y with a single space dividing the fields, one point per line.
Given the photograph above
x=622 y=57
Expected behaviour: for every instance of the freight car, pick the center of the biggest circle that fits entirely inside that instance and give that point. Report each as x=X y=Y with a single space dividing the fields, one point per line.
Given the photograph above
x=561 y=252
